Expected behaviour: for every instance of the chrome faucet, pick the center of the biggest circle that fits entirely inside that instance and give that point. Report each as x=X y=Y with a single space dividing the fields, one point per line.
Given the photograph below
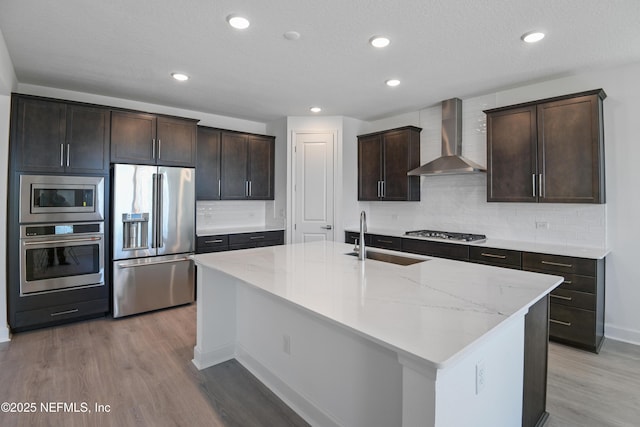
x=363 y=229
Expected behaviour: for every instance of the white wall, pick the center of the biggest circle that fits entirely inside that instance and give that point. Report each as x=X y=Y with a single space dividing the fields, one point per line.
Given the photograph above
x=458 y=203
x=8 y=83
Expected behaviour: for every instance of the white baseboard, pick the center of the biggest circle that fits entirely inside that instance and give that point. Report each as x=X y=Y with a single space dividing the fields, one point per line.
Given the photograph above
x=630 y=336
x=4 y=334
x=295 y=400
x=205 y=360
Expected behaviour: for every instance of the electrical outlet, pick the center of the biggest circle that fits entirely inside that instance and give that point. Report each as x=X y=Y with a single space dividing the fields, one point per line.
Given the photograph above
x=481 y=376
x=542 y=224
x=286 y=344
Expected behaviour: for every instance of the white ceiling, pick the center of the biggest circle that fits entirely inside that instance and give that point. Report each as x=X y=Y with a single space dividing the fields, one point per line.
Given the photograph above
x=439 y=49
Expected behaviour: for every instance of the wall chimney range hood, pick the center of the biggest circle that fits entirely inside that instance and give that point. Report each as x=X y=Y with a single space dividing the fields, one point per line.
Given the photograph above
x=451 y=162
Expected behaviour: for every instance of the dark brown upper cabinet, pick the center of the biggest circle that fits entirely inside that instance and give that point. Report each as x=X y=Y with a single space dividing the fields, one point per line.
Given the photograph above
x=247 y=166
x=59 y=137
x=142 y=138
x=384 y=158
x=547 y=151
x=208 y=180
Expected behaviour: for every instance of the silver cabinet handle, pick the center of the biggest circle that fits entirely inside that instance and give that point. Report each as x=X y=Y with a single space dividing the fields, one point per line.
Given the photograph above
x=494 y=256
x=541 y=190
x=385 y=241
x=159 y=148
x=561 y=297
x=249 y=188
x=384 y=185
x=567 y=282
x=68 y=150
x=557 y=264
x=378 y=189
x=533 y=184
x=213 y=241
x=326 y=227
x=60 y=313
x=559 y=322
x=256 y=237
x=219 y=188
x=246 y=189
x=61 y=155
x=153 y=148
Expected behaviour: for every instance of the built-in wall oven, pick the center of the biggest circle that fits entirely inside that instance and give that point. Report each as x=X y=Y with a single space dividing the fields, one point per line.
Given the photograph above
x=61 y=256
x=62 y=243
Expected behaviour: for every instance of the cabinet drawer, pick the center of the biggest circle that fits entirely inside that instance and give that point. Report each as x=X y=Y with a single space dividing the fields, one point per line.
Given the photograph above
x=559 y=264
x=572 y=324
x=385 y=242
x=574 y=282
x=212 y=243
x=244 y=238
x=574 y=299
x=60 y=313
x=352 y=236
x=493 y=256
x=438 y=249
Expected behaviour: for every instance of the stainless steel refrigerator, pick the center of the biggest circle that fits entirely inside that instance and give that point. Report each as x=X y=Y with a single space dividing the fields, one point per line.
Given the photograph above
x=153 y=218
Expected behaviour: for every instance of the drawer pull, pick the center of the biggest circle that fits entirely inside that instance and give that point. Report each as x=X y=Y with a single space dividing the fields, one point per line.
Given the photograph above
x=557 y=264
x=60 y=313
x=567 y=282
x=384 y=241
x=257 y=237
x=560 y=322
x=561 y=297
x=494 y=256
x=213 y=241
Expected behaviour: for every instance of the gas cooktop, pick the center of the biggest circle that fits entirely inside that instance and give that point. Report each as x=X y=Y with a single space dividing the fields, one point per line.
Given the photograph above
x=447 y=235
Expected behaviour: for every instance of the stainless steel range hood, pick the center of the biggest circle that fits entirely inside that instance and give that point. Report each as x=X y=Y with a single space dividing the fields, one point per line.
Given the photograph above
x=451 y=162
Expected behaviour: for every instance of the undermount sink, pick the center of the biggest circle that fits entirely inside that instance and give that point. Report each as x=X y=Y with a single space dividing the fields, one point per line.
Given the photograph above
x=393 y=259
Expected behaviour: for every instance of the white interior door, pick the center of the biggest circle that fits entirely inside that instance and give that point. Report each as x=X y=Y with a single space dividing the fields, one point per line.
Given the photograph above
x=313 y=186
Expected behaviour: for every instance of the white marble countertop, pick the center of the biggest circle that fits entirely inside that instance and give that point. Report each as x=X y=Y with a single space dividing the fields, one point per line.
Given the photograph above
x=516 y=245
x=235 y=230
x=434 y=310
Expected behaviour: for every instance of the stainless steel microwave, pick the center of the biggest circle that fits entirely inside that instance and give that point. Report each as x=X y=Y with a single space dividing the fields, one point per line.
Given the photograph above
x=56 y=198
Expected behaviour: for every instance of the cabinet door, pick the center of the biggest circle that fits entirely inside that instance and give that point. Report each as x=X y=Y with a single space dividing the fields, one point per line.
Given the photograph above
x=512 y=174
x=133 y=138
x=87 y=139
x=369 y=167
x=570 y=150
x=396 y=156
x=208 y=164
x=39 y=135
x=261 y=165
x=176 y=144
x=233 y=166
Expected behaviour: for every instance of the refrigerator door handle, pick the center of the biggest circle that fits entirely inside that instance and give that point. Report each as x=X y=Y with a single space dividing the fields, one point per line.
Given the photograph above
x=159 y=221
x=154 y=211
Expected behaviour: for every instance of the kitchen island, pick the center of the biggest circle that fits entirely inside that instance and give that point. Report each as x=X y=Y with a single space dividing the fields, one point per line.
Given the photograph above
x=352 y=343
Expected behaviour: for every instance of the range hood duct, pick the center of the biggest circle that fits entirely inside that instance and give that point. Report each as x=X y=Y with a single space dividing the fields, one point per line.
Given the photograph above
x=451 y=162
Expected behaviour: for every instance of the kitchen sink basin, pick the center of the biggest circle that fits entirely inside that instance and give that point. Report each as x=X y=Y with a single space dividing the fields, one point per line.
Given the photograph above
x=393 y=259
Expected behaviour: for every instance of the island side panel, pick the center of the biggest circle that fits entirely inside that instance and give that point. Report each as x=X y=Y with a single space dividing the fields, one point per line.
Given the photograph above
x=453 y=396
x=215 y=318
x=328 y=374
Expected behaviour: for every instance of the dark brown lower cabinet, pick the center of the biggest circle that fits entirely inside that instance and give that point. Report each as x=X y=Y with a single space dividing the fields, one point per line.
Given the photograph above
x=230 y=242
x=536 y=347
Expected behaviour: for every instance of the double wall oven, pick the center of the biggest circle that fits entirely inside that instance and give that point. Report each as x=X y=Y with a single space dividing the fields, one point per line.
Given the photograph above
x=61 y=233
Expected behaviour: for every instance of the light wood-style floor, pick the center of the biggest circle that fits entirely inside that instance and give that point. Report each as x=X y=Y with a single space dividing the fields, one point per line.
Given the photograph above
x=141 y=367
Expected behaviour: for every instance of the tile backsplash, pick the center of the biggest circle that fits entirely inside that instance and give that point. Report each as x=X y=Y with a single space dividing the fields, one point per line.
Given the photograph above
x=229 y=214
x=458 y=203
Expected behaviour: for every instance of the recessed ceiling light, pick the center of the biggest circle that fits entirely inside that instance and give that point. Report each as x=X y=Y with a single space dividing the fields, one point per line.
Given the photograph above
x=532 y=36
x=238 y=22
x=379 y=41
x=315 y=109
x=291 y=35
x=180 y=77
x=392 y=82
